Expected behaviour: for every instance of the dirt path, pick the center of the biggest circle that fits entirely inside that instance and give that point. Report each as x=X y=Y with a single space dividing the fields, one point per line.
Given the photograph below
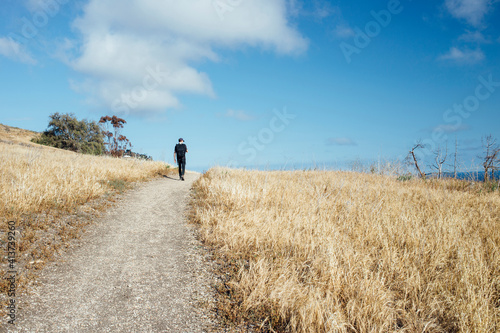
x=138 y=269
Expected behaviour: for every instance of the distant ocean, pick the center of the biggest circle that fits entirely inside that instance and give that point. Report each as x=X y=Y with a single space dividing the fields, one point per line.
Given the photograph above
x=471 y=175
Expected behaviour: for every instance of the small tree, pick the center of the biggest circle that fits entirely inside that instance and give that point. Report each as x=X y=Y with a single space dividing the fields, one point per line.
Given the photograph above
x=455 y=160
x=411 y=156
x=67 y=132
x=439 y=160
x=491 y=156
x=116 y=143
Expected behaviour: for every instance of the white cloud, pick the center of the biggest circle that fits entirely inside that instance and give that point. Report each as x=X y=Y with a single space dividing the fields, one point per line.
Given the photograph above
x=472 y=11
x=34 y=5
x=123 y=38
x=465 y=57
x=238 y=114
x=15 y=51
x=344 y=31
x=294 y=7
x=324 y=10
x=474 y=37
x=42 y=8
x=450 y=128
x=316 y=9
x=342 y=141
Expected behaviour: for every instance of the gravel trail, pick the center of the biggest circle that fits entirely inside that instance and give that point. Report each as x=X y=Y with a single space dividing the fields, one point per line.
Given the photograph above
x=139 y=268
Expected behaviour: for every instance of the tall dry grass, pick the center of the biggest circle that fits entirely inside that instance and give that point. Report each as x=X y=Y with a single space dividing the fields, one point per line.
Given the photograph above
x=324 y=251
x=33 y=180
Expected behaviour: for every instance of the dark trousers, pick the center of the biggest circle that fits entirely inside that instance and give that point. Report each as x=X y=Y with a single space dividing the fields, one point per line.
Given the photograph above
x=182 y=166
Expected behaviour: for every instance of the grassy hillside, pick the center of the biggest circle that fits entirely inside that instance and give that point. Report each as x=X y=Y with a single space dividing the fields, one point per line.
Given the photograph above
x=317 y=251
x=51 y=194
x=16 y=135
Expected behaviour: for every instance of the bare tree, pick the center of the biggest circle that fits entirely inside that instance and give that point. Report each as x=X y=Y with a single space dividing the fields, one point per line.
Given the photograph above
x=455 y=169
x=491 y=157
x=439 y=160
x=411 y=155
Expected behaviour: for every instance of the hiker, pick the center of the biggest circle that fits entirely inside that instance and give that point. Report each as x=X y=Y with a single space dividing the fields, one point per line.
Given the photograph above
x=180 y=157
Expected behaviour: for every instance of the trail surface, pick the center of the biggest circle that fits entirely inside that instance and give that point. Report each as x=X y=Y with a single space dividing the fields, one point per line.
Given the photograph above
x=138 y=269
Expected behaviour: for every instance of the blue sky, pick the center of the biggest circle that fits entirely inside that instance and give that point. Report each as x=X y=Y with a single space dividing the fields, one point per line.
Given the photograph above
x=256 y=83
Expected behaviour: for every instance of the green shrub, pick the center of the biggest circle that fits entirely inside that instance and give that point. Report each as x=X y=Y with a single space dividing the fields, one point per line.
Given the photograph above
x=404 y=178
x=118 y=185
x=67 y=132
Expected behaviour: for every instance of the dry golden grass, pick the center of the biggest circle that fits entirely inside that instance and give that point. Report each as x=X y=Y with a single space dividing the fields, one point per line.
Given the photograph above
x=318 y=251
x=33 y=180
x=16 y=135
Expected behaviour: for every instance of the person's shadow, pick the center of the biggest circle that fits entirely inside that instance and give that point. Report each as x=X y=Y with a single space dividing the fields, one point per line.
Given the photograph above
x=171 y=178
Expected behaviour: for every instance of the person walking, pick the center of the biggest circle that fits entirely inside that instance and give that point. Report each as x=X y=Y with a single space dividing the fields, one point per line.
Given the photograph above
x=180 y=151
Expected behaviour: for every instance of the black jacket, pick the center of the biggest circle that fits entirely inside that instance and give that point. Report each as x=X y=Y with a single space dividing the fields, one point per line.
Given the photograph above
x=180 y=150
